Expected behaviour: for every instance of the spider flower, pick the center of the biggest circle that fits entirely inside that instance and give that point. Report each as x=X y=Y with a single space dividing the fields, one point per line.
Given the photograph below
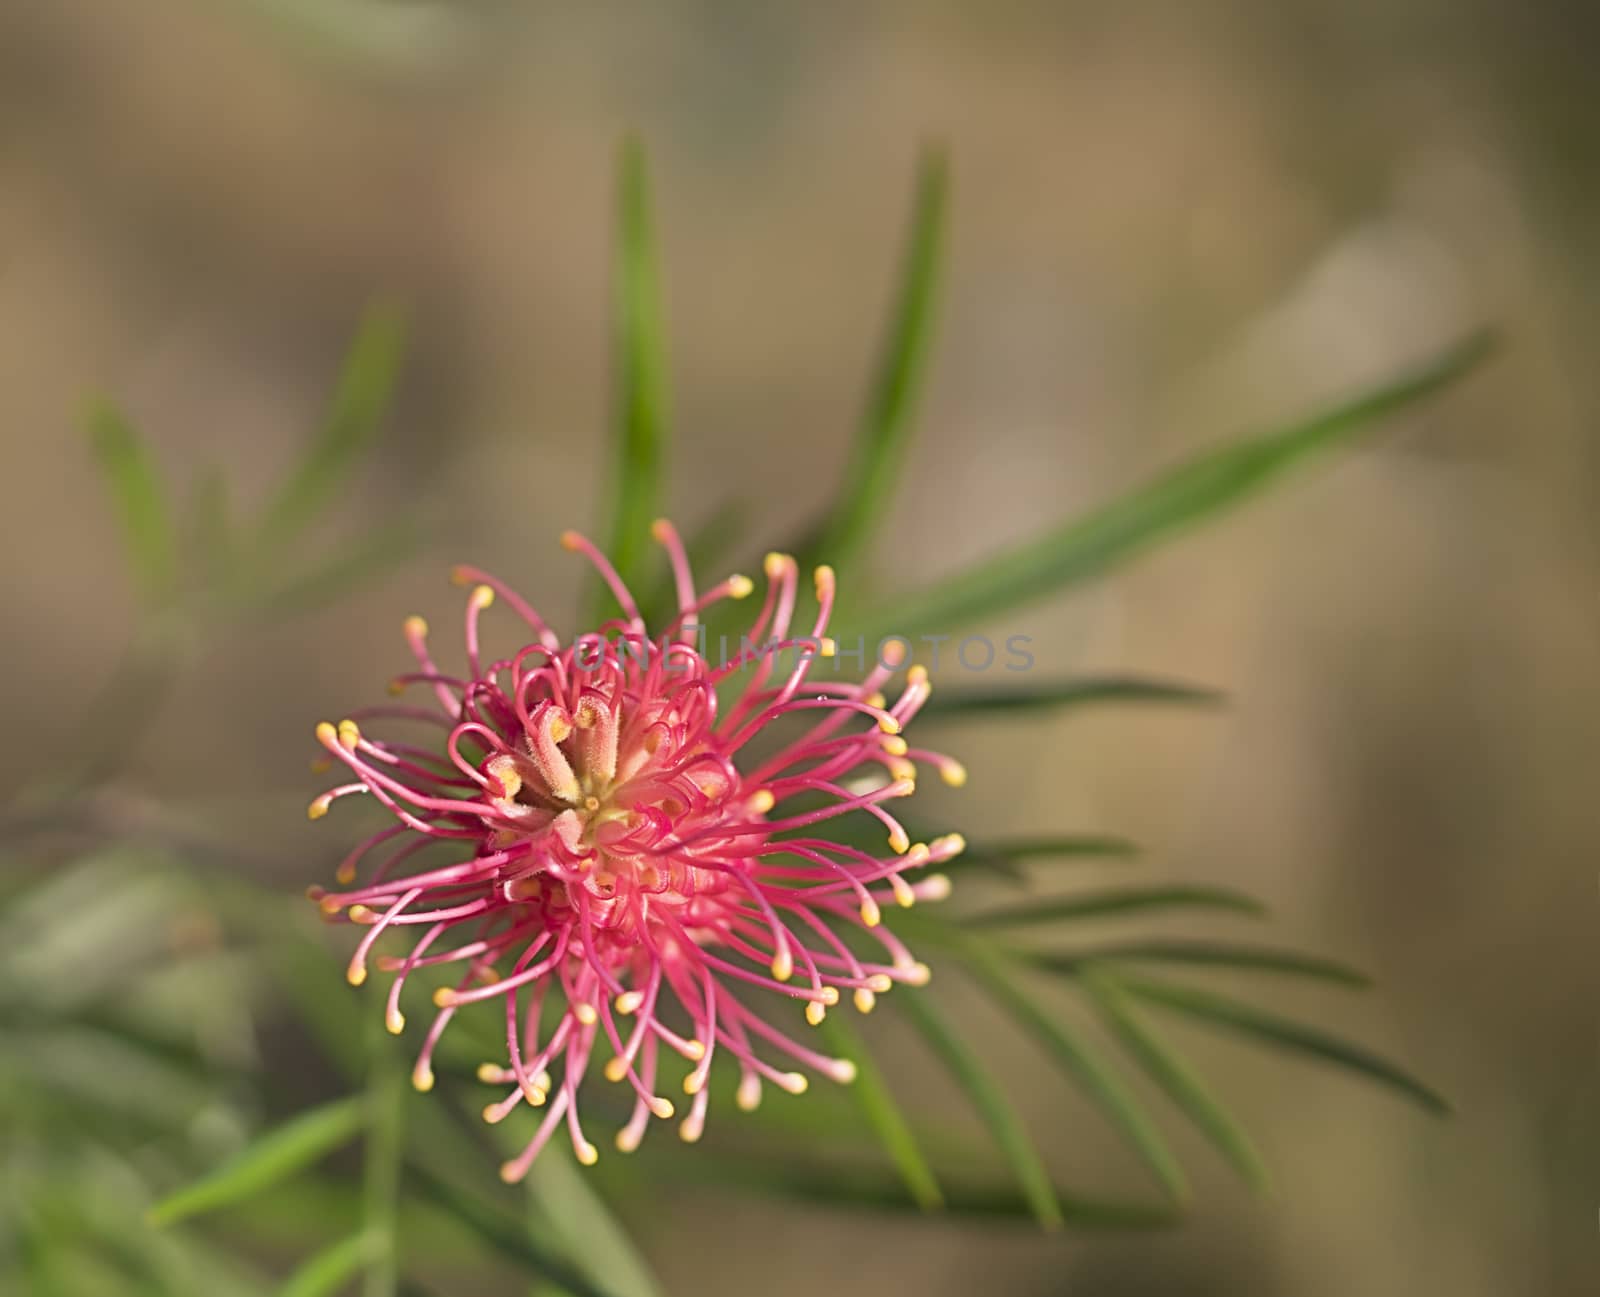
x=642 y=837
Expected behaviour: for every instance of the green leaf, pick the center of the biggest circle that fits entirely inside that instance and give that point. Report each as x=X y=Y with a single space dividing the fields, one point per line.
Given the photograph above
x=1211 y=953
x=1093 y=1074
x=641 y=374
x=1204 y=486
x=275 y=1156
x=1004 y=1125
x=1117 y=900
x=502 y=1233
x=1181 y=1083
x=1284 y=1033
x=1006 y=855
x=598 y=1244
x=883 y=1113
x=380 y=1189
x=130 y=472
x=883 y=435
x=976 y=703
x=209 y=526
x=348 y=432
x=329 y=1270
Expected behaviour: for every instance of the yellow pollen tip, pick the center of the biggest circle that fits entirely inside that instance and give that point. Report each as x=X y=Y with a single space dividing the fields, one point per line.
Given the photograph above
x=739 y=586
x=395 y=1022
x=876 y=699
x=693 y=1083
x=816 y=1012
x=917 y=677
x=783 y=965
x=748 y=1095
x=560 y=729
x=349 y=735
x=616 y=1068
x=889 y=725
x=936 y=887
x=587 y=1153
x=444 y=998
x=629 y=1002
x=416 y=627
x=396 y=688
x=690 y=1130
x=795 y=1082
x=828 y=646
x=627 y=1141
x=694 y=1050
x=460 y=576
x=763 y=801
x=829 y=994
x=327 y=735
x=356 y=974
x=871 y=915
x=321 y=765
x=902 y=768
x=482 y=596
x=489 y=1073
x=319 y=807
x=361 y=914
x=660 y=529
x=329 y=906
x=585 y=1013
x=824 y=579
x=662 y=1108
x=894 y=745
x=919 y=974
x=570 y=540
x=904 y=897
x=510 y=1172
x=345 y=873
x=953 y=844
x=844 y=1071
x=953 y=773
x=899 y=843
x=422 y=1079
x=776 y=564
x=865 y=1000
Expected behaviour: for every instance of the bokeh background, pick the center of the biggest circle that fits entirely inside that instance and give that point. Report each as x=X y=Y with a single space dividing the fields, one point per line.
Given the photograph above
x=1171 y=222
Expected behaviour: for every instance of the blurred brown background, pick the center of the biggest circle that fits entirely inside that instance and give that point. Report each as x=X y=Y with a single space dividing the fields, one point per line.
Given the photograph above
x=1172 y=222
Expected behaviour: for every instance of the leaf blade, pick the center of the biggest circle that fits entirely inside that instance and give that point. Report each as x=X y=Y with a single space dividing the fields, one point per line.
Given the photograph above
x=130 y=473
x=278 y=1154
x=326 y=1272
x=1207 y=953
x=882 y=436
x=1117 y=900
x=1207 y=484
x=973 y=703
x=1005 y=1126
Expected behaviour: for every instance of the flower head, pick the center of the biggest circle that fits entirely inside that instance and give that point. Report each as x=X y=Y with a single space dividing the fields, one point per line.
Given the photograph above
x=635 y=850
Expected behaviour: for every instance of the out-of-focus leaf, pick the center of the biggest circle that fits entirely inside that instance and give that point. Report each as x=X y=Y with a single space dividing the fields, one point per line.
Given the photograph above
x=380 y=1188
x=1173 y=1074
x=209 y=525
x=276 y=1155
x=1004 y=1125
x=348 y=569
x=883 y=435
x=1117 y=900
x=1200 y=488
x=977 y=704
x=1209 y=953
x=1093 y=1074
x=331 y=1269
x=130 y=472
x=883 y=1113
x=366 y=383
x=503 y=1233
x=639 y=453
x=597 y=1243
x=1285 y=1033
x=1007 y=855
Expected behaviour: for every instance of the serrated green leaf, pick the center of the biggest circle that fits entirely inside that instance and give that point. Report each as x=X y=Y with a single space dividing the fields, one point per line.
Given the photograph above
x=1284 y=1033
x=1200 y=488
x=366 y=382
x=641 y=416
x=1116 y=900
x=882 y=437
x=141 y=504
x=1083 y=1064
x=1182 y=1084
x=275 y=1156
x=978 y=704
x=1209 y=953
x=331 y=1269
x=1005 y=1126
x=883 y=1114
x=503 y=1234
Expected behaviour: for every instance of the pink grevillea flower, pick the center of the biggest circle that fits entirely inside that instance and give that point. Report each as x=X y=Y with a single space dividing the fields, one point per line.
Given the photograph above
x=633 y=847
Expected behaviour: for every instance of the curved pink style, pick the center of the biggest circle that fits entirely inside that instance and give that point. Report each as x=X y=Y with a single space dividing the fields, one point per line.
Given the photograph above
x=619 y=846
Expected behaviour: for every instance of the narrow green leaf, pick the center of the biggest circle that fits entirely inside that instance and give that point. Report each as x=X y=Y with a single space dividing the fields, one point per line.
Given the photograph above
x=1284 y=1033
x=976 y=704
x=348 y=432
x=882 y=1112
x=1182 y=1084
x=380 y=1188
x=502 y=1233
x=209 y=526
x=1004 y=1125
x=641 y=373
x=1093 y=1074
x=275 y=1156
x=1007 y=855
x=883 y=435
x=130 y=472
x=1210 y=953
x=329 y=1270
x=595 y=1240
x=1117 y=900
x=1204 y=486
